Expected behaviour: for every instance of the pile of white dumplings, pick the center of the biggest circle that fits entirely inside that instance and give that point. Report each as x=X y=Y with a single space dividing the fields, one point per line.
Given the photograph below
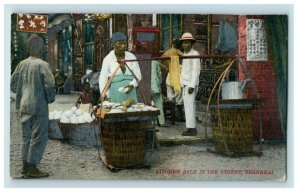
x=73 y=116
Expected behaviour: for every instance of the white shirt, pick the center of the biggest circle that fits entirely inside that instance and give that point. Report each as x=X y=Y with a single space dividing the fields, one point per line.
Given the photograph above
x=109 y=65
x=190 y=70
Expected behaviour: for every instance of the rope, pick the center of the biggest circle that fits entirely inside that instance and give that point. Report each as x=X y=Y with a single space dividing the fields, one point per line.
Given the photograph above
x=220 y=79
x=259 y=105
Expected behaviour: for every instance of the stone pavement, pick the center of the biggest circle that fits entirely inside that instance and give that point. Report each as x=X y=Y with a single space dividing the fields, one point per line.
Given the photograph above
x=178 y=158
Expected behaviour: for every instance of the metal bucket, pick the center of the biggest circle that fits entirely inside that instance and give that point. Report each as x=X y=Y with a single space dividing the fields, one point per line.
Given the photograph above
x=232 y=90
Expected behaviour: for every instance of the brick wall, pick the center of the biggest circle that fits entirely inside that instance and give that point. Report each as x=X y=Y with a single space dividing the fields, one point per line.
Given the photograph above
x=264 y=77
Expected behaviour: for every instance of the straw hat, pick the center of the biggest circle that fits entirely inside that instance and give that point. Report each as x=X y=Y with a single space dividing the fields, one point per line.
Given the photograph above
x=187 y=36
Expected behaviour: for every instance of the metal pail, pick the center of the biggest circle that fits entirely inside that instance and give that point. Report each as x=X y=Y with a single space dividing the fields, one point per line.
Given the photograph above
x=232 y=90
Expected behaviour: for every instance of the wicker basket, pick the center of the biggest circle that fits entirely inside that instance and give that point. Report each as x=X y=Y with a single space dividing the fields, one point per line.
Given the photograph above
x=81 y=134
x=54 y=131
x=124 y=142
x=237 y=129
x=66 y=128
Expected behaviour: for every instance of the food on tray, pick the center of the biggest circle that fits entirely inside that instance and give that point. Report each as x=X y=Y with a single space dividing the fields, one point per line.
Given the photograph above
x=128 y=102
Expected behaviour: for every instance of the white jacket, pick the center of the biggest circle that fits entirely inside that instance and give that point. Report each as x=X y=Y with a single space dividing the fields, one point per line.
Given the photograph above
x=109 y=65
x=190 y=71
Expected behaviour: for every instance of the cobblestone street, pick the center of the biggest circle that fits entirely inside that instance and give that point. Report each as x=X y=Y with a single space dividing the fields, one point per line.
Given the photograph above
x=178 y=162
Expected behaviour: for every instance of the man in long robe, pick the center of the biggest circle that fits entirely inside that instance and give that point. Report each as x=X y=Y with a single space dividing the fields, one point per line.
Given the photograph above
x=34 y=85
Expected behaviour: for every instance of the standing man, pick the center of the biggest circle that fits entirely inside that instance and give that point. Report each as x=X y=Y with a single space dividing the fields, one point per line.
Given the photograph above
x=189 y=77
x=124 y=78
x=93 y=79
x=34 y=85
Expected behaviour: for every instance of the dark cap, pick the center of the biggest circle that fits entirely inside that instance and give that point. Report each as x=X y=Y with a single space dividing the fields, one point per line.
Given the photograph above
x=118 y=36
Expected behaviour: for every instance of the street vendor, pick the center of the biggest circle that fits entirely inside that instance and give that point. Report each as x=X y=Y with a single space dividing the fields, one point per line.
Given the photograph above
x=118 y=80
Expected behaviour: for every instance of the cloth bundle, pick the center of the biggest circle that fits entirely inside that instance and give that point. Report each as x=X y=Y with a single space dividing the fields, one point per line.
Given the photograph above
x=174 y=68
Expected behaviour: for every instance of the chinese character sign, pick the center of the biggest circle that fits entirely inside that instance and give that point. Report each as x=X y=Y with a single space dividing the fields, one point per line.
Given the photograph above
x=257 y=48
x=32 y=23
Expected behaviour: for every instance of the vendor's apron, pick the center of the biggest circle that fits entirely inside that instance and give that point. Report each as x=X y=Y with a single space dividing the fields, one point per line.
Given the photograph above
x=118 y=81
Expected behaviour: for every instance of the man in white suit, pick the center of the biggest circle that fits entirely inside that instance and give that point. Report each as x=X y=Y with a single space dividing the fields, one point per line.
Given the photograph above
x=189 y=77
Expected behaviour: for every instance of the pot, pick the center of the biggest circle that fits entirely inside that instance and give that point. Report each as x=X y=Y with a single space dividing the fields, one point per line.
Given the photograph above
x=233 y=89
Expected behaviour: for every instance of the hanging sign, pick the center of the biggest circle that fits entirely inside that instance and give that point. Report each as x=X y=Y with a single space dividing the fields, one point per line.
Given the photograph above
x=257 y=48
x=32 y=23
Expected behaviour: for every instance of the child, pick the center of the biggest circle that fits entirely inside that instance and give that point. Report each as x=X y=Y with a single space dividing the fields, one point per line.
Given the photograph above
x=85 y=98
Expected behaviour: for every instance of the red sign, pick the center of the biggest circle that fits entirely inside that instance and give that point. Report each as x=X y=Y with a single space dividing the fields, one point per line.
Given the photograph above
x=32 y=23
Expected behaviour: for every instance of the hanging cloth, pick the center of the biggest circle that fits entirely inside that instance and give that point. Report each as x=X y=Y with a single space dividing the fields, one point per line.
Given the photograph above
x=227 y=40
x=174 y=68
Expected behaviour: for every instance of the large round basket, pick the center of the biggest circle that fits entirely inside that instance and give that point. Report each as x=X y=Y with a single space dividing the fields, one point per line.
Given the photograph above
x=54 y=131
x=124 y=142
x=81 y=134
x=66 y=129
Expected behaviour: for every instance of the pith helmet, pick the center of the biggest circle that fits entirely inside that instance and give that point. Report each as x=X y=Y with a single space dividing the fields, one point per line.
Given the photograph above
x=187 y=36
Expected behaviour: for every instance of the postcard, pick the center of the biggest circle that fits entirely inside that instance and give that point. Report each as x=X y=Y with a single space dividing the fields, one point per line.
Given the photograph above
x=190 y=97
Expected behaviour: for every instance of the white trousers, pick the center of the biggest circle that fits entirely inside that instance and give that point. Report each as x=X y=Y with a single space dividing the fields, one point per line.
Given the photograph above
x=189 y=107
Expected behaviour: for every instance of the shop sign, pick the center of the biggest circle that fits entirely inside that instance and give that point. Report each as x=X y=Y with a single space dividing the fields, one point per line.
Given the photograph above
x=32 y=23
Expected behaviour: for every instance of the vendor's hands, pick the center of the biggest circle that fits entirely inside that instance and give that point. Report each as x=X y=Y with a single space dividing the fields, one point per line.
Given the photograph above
x=128 y=88
x=190 y=90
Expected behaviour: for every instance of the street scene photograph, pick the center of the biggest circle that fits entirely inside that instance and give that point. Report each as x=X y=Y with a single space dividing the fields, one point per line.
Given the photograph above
x=153 y=96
